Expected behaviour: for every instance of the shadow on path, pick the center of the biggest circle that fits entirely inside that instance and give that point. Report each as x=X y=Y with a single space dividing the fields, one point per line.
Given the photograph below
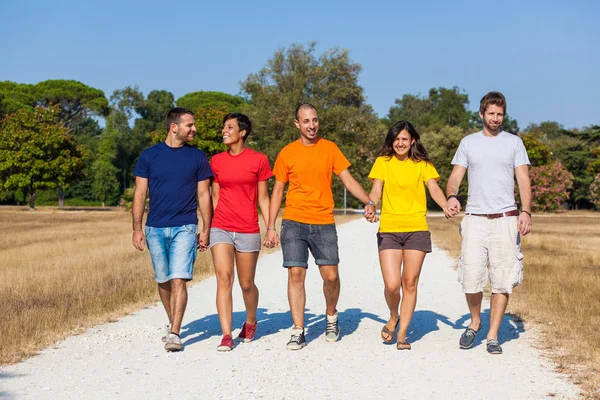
x=511 y=327
x=425 y=322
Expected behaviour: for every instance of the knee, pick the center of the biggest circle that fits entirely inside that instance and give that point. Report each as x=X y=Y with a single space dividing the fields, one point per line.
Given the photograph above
x=225 y=279
x=392 y=287
x=296 y=276
x=331 y=279
x=409 y=285
x=247 y=287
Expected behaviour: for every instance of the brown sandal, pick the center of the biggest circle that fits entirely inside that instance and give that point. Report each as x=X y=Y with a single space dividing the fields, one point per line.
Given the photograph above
x=386 y=331
x=402 y=346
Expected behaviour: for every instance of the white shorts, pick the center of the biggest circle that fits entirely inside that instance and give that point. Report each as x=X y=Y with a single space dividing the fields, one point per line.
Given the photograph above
x=491 y=248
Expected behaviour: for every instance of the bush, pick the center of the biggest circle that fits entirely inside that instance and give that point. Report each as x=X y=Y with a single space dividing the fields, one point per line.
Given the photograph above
x=595 y=192
x=549 y=186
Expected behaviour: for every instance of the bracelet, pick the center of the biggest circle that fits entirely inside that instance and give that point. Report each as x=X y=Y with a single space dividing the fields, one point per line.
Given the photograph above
x=452 y=196
x=526 y=212
x=370 y=202
x=271 y=229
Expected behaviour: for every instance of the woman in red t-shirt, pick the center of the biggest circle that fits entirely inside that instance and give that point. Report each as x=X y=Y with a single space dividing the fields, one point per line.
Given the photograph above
x=240 y=185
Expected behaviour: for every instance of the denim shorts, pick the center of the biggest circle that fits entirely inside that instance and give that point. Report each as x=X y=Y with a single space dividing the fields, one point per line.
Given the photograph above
x=297 y=238
x=242 y=242
x=173 y=251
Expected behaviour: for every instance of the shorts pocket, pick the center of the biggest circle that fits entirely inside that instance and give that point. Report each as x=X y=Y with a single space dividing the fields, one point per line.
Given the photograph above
x=461 y=268
x=518 y=278
x=192 y=228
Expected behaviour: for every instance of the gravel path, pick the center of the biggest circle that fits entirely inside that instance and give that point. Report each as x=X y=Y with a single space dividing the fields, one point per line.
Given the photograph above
x=126 y=359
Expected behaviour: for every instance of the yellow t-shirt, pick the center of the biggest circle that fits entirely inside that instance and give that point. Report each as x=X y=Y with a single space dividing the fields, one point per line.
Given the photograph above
x=404 y=203
x=308 y=170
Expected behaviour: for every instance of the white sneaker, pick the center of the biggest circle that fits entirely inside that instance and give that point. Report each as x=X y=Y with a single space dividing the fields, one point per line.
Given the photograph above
x=173 y=342
x=332 y=330
x=167 y=330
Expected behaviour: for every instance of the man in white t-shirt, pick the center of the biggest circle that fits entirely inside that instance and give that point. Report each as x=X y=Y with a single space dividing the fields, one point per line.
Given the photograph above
x=491 y=228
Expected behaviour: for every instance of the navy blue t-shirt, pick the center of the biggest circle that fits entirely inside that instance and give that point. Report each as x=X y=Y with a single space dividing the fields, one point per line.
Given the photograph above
x=173 y=175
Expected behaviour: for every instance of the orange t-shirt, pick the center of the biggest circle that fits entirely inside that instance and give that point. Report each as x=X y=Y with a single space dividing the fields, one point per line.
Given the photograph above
x=308 y=170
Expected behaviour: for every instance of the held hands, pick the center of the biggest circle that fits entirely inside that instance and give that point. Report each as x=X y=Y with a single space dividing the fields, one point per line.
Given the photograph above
x=271 y=239
x=452 y=208
x=203 y=241
x=370 y=213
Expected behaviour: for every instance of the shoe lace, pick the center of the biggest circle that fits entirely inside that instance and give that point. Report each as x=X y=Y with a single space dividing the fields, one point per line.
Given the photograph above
x=331 y=327
x=296 y=337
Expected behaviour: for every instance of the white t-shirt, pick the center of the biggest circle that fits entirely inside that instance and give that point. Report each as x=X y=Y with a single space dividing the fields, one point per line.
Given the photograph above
x=491 y=163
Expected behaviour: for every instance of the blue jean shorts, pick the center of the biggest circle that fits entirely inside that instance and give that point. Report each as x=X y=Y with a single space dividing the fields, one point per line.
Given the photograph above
x=173 y=251
x=298 y=238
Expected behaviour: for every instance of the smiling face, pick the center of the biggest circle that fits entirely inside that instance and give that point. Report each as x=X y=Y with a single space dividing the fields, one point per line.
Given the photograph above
x=492 y=118
x=402 y=144
x=231 y=132
x=308 y=123
x=185 y=129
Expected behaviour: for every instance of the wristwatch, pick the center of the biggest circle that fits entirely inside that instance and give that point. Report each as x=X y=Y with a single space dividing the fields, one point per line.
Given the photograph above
x=370 y=203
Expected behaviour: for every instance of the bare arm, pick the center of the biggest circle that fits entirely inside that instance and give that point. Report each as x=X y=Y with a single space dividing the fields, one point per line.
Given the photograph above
x=357 y=191
x=215 y=190
x=137 y=212
x=263 y=200
x=522 y=174
x=454 y=181
x=437 y=194
x=271 y=239
x=375 y=196
x=206 y=212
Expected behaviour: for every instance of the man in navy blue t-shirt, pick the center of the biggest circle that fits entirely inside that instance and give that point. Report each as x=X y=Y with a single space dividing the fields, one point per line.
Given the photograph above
x=175 y=172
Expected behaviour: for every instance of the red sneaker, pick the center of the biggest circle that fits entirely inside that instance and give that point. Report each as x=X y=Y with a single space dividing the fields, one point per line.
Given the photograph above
x=247 y=333
x=226 y=344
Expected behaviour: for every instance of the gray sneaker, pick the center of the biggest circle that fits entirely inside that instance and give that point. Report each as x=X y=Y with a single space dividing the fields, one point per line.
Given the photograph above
x=166 y=330
x=173 y=342
x=493 y=347
x=332 y=329
x=297 y=341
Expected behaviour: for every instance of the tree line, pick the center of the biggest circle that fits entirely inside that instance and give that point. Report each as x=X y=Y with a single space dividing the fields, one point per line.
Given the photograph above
x=53 y=148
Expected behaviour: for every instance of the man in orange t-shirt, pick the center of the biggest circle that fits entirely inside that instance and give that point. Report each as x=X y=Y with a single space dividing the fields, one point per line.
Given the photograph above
x=307 y=164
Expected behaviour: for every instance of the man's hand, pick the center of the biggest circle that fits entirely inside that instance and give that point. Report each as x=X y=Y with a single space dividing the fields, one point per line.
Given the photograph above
x=524 y=223
x=139 y=240
x=370 y=211
x=203 y=241
x=271 y=239
x=452 y=207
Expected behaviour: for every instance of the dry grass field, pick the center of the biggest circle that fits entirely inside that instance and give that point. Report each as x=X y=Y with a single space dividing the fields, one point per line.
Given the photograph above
x=560 y=294
x=62 y=272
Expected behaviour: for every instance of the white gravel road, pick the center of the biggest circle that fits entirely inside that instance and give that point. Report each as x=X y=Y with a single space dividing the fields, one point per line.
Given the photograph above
x=126 y=360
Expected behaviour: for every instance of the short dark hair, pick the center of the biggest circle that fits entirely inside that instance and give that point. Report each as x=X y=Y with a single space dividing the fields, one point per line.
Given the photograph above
x=304 y=106
x=174 y=115
x=495 y=98
x=243 y=122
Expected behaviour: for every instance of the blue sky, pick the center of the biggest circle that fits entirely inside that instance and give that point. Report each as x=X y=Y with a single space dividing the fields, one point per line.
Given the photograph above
x=543 y=55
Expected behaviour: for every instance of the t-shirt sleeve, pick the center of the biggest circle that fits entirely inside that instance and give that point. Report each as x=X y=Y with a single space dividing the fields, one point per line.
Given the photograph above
x=377 y=170
x=264 y=170
x=521 y=157
x=460 y=158
x=204 y=171
x=429 y=172
x=340 y=162
x=142 y=168
x=281 y=170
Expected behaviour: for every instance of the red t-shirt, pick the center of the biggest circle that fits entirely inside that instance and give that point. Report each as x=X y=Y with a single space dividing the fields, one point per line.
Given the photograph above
x=238 y=177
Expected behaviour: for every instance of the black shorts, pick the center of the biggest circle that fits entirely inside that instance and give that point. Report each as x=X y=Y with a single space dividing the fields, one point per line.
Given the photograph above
x=420 y=240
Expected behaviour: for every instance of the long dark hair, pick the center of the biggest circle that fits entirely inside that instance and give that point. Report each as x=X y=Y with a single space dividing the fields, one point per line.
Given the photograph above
x=416 y=152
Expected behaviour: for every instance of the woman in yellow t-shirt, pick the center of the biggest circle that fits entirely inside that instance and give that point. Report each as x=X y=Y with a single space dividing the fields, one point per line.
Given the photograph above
x=399 y=177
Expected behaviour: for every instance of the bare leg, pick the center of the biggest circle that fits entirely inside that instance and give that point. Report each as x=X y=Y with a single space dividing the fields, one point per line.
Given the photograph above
x=178 y=303
x=222 y=255
x=331 y=286
x=391 y=266
x=497 y=308
x=297 y=294
x=413 y=262
x=246 y=269
x=474 y=303
x=164 y=291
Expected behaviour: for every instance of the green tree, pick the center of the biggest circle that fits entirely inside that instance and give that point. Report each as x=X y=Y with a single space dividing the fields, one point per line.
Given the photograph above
x=330 y=82
x=106 y=185
x=74 y=99
x=15 y=96
x=412 y=108
x=200 y=99
x=37 y=152
x=538 y=152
